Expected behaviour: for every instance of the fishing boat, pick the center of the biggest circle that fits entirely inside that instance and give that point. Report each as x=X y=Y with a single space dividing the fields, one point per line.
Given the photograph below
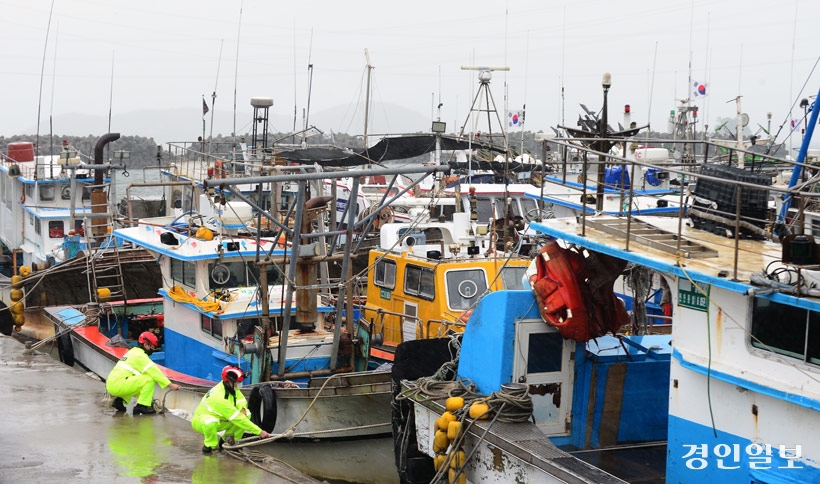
x=230 y=295
x=427 y=275
x=57 y=211
x=563 y=395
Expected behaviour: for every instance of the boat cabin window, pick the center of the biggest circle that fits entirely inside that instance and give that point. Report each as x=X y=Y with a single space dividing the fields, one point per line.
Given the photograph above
x=446 y=210
x=38 y=229
x=56 y=229
x=513 y=278
x=419 y=281
x=29 y=191
x=183 y=272
x=242 y=274
x=46 y=193
x=527 y=205
x=464 y=287
x=65 y=192
x=545 y=352
x=385 y=275
x=787 y=330
x=484 y=208
x=212 y=327
x=815 y=228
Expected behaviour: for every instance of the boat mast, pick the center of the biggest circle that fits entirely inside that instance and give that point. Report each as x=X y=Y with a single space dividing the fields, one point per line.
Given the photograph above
x=367 y=102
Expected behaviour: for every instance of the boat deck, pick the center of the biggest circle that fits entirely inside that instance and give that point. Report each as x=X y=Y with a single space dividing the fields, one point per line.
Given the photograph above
x=528 y=443
x=720 y=261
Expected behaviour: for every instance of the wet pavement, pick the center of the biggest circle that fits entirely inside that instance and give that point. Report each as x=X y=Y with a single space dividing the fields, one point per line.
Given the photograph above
x=58 y=426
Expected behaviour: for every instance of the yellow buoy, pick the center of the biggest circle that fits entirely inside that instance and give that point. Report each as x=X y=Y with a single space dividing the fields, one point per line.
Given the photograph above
x=17 y=307
x=461 y=479
x=458 y=459
x=479 y=410
x=440 y=441
x=453 y=429
x=103 y=293
x=18 y=319
x=16 y=281
x=204 y=233
x=16 y=294
x=445 y=419
x=454 y=403
x=18 y=328
x=25 y=271
x=439 y=460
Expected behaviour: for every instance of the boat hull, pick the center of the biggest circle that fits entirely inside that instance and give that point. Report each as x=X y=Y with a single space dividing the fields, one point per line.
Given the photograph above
x=349 y=408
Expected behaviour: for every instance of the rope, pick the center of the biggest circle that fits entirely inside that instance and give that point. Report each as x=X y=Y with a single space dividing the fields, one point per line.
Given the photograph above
x=92 y=316
x=178 y=294
x=289 y=432
x=262 y=461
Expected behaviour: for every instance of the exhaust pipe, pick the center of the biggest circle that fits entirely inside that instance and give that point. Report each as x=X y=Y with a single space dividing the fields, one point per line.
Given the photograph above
x=99 y=199
x=98 y=154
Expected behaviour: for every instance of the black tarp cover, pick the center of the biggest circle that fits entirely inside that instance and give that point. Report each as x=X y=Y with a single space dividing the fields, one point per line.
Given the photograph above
x=397 y=148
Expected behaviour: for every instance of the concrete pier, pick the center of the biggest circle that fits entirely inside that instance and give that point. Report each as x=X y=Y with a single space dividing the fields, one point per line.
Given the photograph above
x=58 y=426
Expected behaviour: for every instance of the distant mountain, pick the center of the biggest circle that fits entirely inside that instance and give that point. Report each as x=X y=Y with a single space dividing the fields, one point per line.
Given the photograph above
x=185 y=124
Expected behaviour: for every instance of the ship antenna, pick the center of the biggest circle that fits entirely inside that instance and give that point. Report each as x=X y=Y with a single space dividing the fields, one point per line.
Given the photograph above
x=42 y=70
x=213 y=96
x=236 y=74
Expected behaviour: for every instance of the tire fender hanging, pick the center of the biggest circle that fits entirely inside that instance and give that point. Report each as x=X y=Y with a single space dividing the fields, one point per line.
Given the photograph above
x=262 y=404
x=66 y=349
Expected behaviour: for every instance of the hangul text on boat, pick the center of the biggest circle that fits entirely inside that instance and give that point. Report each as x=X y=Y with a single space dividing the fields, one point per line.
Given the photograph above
x=697 y=463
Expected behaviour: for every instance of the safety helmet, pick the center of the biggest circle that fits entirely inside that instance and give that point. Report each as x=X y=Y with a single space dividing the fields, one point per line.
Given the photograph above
x=232 y=373
x=148 y=337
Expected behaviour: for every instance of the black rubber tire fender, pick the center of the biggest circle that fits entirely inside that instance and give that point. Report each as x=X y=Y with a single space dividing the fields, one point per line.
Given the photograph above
x=262 y=404
x=65 y=349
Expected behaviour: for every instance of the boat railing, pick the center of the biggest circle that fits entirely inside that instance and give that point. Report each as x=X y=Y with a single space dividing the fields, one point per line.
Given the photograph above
x=423 y=328
x=689 y=174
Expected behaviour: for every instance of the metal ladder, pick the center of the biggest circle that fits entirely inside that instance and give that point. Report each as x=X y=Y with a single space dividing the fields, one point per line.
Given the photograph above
x=103 y=262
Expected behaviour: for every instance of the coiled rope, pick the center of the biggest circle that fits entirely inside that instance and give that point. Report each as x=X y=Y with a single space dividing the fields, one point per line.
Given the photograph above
x=179 y=295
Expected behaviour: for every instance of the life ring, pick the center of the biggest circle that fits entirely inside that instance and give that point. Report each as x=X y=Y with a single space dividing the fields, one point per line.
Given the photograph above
x=262 y=404
x=65 y=349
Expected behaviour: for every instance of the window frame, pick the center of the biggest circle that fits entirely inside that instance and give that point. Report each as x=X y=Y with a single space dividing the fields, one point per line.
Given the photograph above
x=383 y=265
x=418 y=291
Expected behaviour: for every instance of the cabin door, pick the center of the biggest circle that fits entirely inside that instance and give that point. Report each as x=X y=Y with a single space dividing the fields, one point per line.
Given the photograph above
x=409 y=321
x=543 y=362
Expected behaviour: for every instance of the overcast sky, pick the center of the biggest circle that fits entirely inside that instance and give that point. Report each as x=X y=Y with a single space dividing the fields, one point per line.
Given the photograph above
x=166 y=54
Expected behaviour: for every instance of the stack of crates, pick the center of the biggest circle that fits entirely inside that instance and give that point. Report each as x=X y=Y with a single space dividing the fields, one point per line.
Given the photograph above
x=754 y=202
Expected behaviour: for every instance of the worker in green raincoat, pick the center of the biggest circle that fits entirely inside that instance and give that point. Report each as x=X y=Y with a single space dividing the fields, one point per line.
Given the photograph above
x=135 y=376
x=224 y=408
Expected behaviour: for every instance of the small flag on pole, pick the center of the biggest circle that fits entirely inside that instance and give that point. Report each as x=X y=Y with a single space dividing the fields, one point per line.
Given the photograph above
x=699 y=89
x=204 y=107
x=515 y=119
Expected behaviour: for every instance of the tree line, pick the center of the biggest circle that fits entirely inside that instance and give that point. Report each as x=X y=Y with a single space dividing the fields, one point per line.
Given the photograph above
x=143 y=151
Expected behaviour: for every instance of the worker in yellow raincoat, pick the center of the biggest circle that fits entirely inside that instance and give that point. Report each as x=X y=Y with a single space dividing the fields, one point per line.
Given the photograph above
x=135 y=376
x=224 y=408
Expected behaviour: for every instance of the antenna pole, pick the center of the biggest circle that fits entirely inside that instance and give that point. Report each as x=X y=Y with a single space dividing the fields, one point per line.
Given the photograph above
x=367 y=100
x=236 y=74
x=42 y=69
x=213 y=97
